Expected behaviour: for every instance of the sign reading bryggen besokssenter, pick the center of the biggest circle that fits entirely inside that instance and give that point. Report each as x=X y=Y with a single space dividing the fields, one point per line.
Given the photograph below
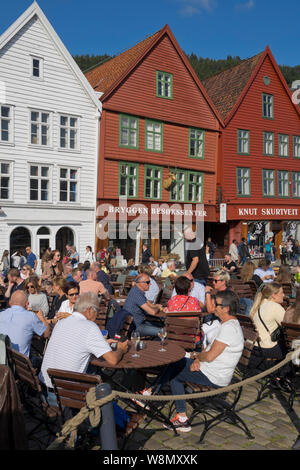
x=263 y=212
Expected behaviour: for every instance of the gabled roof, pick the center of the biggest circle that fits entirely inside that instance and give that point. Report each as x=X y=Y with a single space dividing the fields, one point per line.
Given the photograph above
x=227 y=89
x=35 y=10
x=107 y=77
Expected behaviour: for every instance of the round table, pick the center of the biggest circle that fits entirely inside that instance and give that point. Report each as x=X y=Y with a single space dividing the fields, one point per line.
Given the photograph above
x=148 y=357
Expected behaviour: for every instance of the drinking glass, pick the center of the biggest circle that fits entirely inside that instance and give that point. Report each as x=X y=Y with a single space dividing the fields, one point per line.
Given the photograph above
x=162 y=333
x=135 y=338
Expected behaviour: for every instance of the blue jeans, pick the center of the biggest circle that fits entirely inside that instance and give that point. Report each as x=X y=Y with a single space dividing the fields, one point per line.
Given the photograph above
x=178 y=374
x=147 y=329
x=295 y=258
x=247 y=304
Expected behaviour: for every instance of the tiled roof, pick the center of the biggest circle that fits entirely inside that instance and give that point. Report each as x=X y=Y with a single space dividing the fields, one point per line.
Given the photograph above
x=226 y=87
x=102 y=77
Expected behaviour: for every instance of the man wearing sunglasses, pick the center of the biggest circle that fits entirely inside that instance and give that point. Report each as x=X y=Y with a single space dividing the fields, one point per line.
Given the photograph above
x=138 y=306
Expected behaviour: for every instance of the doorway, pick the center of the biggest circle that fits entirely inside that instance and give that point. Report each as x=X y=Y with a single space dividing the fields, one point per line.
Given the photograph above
x=64 y=236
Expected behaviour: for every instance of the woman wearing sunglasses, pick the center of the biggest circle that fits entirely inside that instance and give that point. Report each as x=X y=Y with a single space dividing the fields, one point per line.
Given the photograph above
x=67 y=307
x=37 y=300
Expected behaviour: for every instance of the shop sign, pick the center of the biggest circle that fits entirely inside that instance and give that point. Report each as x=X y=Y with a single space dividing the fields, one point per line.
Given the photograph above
x=223 y=213
x=268 y=211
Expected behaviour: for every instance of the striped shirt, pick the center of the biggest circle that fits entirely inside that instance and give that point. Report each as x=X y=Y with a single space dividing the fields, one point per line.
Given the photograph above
x=73 y=341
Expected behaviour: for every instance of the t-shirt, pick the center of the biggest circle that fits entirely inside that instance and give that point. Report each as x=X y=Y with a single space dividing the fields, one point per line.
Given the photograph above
x=135 y=298
x=20 y=324
x=201 y=271
x=91 y=286
x=272 y=314
x=72 y=342
x=230 y=265
x=221 y=369
x=153 y=291
x=183 y=303
x=262 y=273
x=31 y=259
x=167 y=272
x=197 y=291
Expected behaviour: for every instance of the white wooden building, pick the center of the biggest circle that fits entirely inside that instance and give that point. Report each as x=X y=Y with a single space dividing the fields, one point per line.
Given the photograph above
x=49 y=135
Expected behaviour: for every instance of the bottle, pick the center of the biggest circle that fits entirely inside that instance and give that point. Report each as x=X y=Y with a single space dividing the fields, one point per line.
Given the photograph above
x=115 y=345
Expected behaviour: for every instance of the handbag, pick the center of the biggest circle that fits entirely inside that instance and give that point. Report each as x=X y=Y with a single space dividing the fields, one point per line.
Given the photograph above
x=276 y=334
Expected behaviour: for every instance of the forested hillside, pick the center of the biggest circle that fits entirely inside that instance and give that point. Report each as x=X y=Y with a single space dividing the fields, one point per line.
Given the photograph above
x=204 y=67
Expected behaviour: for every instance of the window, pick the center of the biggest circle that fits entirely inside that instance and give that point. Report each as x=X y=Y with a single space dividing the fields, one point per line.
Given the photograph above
x=243 y=181
x=268 y=180
x=194 y=186
x=39 y=128
x=188 y=186
x=39 y=181
x=5 y=180
x=268 y=143
x=196 y=143
x=243 y=142
x=68 y=132
x=283 y=183
x=154 y=136
x=153 y=182
x=296 y=184
x=296 y=146
x=164 y=85
x=5 y=123
x=128 y=179
x=283 y=145
x=36 y=67
x=267 y=105
x=68 y=185
x=129 y=132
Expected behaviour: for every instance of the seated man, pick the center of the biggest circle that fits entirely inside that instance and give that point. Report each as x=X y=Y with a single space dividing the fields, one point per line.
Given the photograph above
x=138 y=306
x=102 y=277
x=75 y=339
x=170 y=270
x=214 y=366
x=264 y=271
x=152 y=292
x=15 y=282
x=20 y=324
x=229 y=265
x=92 y=285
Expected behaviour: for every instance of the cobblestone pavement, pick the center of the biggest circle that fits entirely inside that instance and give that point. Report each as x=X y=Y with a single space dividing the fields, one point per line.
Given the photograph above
x=272 y=424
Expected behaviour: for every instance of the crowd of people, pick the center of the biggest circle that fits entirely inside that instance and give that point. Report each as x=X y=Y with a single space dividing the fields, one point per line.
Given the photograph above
x=67 y=323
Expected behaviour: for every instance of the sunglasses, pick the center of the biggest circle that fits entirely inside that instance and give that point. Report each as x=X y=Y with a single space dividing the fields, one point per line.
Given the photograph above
x=219 y=305
x=217 y=280
x=72 y=295
x=143 y=282
x=30 y=287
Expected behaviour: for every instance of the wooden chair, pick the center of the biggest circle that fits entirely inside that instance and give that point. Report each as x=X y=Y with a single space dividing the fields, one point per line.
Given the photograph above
x=242 y=290
x=287 y=289
x=291 y=331
x=31 y=394
x=253 y=287
x=126 y=326
x=164 y=297
x=183 y=331
x=220 y=408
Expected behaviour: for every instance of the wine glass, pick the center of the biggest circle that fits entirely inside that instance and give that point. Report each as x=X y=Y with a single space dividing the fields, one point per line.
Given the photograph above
x=135 y=338
x=162 y=333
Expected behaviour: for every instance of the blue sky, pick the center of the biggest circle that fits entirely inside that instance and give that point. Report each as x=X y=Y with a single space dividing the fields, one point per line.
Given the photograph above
x=209 y=28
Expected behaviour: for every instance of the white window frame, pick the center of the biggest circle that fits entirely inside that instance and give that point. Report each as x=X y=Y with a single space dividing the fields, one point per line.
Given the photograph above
x=243 y=141
x=268 y=141
x=266 y=177
x=41 y=67
x=244 y=179
x=10 y=176
x=295 y=184
x=40 y=178
x=296 y=146
x=10 y=140
x=283 y=178
x=68 y=128
x=40 y=124
x=68 y=179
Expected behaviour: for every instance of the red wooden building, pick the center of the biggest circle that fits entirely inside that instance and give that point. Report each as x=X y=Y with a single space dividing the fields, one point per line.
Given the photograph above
x=157 y=121
x=259 y=174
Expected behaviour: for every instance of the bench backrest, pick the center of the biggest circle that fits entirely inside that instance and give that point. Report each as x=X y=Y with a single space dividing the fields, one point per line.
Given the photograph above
x=247 y=322
x=70 y=388
x=23 y=369
x=291 y=331
x=183 y=331
x=250 y=337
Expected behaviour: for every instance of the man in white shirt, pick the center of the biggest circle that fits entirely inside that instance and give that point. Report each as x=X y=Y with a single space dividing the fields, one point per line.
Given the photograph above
x=75 y=339
x=233 y=251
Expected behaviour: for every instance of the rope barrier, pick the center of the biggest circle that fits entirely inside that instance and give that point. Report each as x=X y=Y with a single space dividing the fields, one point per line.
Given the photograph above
x=92 y=409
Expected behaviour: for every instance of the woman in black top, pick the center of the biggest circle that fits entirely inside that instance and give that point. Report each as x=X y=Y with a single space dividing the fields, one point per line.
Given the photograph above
x=59 y=286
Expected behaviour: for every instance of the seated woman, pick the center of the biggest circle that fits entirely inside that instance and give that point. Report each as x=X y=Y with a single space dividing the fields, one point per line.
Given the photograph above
x=214 y=366
x=267 y=314
x=36 y=300
x=284 y=275
x=59 y=285
x=183 y=301
x=26 y=272
x=67 y=307
x=247 y=273
x=264 y=271
x=292 y=313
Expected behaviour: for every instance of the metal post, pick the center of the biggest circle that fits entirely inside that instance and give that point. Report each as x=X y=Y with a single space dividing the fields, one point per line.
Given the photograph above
x=107 y=431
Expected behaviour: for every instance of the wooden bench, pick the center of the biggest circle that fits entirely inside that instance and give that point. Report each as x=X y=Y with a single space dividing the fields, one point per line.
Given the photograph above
x=220 y=408
x=291 y=331
x=183 y=331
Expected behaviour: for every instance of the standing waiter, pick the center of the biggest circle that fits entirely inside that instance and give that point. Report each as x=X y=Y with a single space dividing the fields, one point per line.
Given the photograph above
x=195 y=257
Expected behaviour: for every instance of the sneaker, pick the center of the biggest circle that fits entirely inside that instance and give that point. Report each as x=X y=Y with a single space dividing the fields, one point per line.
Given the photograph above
x=181 y=426
x=141 y=403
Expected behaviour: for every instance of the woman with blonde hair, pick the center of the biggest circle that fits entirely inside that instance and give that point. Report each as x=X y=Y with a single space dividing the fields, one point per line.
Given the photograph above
x=36 y=300
x=284 y=274
x=26 y=272
x=267 y=314
x=247 y=273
